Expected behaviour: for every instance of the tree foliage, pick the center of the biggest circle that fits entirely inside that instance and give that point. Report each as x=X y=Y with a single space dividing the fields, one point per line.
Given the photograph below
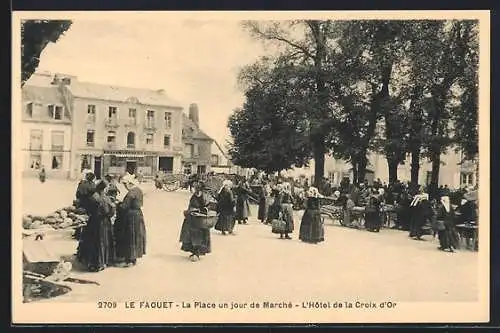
x=270 y=131
x=35 y=35
x=391 y=87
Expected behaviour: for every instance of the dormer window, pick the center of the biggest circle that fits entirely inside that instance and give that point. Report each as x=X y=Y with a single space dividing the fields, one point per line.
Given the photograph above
x=29 y=110
x=55 y=111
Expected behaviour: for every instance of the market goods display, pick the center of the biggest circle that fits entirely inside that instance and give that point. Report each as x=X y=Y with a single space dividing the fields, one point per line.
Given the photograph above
x=68 y=217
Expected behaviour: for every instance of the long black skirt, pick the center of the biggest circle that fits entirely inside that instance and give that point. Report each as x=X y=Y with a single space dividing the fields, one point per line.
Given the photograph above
x=225 y=222
x=263 y=209
x=194 y=240
x=311 y=227
x=96 y=244
x=130 y=235
x=373 y=221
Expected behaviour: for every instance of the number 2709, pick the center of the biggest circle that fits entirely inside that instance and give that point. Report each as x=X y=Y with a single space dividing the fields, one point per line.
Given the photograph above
x=106 y=305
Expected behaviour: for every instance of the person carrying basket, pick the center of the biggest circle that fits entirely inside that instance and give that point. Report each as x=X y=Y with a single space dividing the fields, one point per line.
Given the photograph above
x=195 y=230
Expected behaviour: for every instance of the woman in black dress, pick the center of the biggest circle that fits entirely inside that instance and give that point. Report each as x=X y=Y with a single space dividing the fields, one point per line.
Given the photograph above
x=225 y=209
x=129 y=227
x=195 y=240
x=263 y=203
x=445 y=226
x=242 y=203
x=311 y=226
x=97 y=240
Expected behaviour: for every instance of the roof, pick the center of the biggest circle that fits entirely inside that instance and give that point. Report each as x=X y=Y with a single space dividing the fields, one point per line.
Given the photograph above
x=40 y=80
x=120 y=94
x=44 y=95
x=197 y=132
x=103 y=91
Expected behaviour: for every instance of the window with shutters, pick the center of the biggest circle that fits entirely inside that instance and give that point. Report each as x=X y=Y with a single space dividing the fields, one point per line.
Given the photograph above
x=112 y=115
x=168 y=120
x=149 y=138
x=57 y=161
x=90 y=138
x=29 y=110
x=132 y=117
x=150 y=119
x=57 y=140
x=166 y=141
x=55 y=111
x=36 y=139
x=131 y=140
x=91 y=114
x=35 y=161
x=111 y=137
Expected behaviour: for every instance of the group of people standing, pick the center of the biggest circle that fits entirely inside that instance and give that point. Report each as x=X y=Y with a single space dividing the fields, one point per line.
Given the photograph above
x=232 y=206
x=415 y=212
x=115 y=233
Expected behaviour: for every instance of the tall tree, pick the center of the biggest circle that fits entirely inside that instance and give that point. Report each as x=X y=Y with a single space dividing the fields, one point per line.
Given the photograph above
x=305 y=43
x=35 y=36
x=269 y=132
x=448 y=68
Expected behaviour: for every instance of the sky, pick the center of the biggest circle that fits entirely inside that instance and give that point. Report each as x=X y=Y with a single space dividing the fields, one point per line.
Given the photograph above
x=195 y=61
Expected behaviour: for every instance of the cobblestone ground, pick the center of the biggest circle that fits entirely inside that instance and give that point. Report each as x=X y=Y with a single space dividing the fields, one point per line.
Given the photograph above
x=350 y=264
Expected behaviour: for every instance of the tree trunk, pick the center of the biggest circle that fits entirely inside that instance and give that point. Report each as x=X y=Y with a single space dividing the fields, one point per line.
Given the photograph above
x=354 y=172
x=415 y=166
x=319 y=163
x=392 y=164
x=363 y=161
x=436 y=164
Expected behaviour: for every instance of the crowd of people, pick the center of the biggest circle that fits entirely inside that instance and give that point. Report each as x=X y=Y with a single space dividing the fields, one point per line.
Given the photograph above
x=115 y=233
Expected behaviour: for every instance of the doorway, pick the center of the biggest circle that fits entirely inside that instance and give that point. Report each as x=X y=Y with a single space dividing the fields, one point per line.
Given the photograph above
x=97 y=167
x=201 y=169
x=166 y=164
x=131 y=167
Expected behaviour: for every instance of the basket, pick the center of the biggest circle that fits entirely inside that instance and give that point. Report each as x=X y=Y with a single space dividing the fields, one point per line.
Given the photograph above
x=202 y=221
x=278 y=226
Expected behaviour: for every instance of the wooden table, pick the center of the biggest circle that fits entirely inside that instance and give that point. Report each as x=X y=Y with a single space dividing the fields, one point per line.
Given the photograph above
x=463 y=228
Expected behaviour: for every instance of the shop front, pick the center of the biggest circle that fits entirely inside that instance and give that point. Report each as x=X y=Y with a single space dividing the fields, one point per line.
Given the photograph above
x=119 y=162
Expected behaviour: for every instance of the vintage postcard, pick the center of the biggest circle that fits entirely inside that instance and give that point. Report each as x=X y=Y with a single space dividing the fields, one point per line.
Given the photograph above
x=251 y=167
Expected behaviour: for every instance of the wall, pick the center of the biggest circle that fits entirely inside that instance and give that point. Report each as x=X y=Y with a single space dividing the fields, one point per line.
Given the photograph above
x=46 y=153
x=81 y=126
x=449 y=171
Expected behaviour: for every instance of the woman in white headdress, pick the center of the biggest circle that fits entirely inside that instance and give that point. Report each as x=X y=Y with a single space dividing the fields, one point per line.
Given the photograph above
x=421 y=212
x=225 y=208
x=311 y=227
x=129 y=227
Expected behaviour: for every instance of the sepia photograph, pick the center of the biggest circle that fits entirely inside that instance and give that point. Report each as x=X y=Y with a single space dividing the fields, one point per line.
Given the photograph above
x=250 y=167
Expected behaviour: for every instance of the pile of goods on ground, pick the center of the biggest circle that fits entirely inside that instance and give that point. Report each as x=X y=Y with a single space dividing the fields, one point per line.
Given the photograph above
x=65 y=218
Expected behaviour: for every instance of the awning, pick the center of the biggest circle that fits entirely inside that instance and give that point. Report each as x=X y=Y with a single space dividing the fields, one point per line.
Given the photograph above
x=121 y=153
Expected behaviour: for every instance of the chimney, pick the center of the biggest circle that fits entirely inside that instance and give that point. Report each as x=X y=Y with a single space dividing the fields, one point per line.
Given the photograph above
x=193 y=114
x=55 y=80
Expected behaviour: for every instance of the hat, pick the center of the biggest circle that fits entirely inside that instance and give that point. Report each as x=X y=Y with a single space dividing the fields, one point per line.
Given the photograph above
x=381 y=191
x=313 y=192
x=129 y=179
